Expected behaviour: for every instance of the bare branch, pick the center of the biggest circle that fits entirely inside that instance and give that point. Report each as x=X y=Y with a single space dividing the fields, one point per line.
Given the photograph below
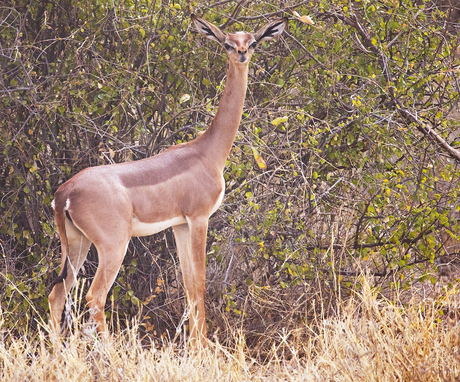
x=304 y=49
x=426 y=130
x=232 y=19
x=271 y=14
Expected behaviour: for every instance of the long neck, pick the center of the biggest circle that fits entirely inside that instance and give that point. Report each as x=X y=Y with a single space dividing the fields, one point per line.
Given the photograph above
x=218 y=138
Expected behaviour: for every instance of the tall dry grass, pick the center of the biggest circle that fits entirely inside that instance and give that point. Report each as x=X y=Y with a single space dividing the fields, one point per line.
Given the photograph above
x=368 y=339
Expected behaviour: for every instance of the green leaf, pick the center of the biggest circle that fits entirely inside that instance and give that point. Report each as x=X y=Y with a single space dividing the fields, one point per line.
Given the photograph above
x=279 y=120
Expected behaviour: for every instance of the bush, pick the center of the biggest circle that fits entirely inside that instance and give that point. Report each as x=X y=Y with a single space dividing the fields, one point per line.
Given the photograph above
x=355 y=117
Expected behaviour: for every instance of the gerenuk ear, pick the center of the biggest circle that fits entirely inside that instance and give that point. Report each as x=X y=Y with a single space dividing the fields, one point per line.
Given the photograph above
x=271 y=30
x=207 y=29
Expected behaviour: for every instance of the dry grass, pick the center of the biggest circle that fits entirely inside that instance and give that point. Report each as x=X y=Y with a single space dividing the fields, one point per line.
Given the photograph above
x=368 y=339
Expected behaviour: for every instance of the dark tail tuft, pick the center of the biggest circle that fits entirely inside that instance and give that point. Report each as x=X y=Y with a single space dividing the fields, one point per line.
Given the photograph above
x=60 y=213
x=63 y=274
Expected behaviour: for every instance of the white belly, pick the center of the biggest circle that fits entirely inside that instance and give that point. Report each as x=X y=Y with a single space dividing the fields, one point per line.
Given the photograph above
x=146 y=229
x=219 y=201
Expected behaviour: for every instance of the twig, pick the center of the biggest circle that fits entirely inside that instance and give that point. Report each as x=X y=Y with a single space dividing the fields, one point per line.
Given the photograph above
x=232 y=18
x=219 y=3
x=276 y=13
x=304 y=49
x=383 y=61
x=22 y=127
x=188 y=127
x=360 y=222
x=230 y=262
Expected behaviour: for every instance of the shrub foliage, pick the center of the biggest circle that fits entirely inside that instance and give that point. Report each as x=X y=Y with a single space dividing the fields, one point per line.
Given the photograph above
x=355 y=117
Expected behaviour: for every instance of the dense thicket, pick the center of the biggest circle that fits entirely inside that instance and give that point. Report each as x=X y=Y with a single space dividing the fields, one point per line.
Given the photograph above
x=356 y=118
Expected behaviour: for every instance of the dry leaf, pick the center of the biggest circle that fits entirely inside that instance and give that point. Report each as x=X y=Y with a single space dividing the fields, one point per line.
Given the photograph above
x=260 y=161
x=184 y=98
x=306 y=19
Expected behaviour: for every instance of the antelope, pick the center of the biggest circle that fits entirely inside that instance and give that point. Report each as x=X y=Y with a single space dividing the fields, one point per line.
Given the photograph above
x=179 y=188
